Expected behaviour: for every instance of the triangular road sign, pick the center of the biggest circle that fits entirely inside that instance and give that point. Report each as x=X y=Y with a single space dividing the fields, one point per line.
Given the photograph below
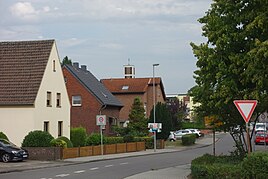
x=246 y=108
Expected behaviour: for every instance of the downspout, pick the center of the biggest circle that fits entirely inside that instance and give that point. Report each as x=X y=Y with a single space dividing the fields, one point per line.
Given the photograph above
x=102 y=107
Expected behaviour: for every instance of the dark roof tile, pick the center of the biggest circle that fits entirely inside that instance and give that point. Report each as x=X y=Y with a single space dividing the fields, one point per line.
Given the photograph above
x=22 y=65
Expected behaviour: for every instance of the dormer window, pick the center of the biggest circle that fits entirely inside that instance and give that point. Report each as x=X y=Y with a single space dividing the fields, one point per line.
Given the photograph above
x=125 y=87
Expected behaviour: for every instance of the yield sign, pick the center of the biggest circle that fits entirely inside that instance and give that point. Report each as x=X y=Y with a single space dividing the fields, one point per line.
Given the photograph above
x=246 y=108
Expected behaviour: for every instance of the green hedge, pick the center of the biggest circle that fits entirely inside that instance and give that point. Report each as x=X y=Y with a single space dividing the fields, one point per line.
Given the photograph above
x=78 y=136
x=68 y=141
x=37 y=139
x=254 y=166
x=58 y=143
x=188 y=139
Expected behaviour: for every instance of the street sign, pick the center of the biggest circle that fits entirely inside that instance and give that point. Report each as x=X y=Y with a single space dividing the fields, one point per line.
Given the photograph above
x=101 y=120
x=245 y=108
x=155 y=126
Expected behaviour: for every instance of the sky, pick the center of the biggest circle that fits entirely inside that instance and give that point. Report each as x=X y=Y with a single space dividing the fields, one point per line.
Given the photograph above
x=105 y=35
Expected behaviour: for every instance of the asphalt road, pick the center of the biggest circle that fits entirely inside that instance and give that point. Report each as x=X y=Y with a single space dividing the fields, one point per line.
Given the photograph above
x=124 y=167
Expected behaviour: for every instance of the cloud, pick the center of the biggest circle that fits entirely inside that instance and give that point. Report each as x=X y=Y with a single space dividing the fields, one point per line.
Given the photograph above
x=24 y=10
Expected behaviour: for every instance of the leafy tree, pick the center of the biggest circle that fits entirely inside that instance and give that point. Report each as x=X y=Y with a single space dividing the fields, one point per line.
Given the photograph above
x=232 y=63
x=137 y=120
x=162 y=115
x=66 y=61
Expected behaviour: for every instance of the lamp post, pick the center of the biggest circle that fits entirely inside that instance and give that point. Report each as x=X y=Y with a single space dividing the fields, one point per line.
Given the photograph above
x=154 y=65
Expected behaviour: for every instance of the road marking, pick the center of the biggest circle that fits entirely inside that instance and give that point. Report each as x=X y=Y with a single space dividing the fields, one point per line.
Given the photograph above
x=81 y=171
x=123 y=163
x=108 y=166
x=96 y=168
x=62 y=175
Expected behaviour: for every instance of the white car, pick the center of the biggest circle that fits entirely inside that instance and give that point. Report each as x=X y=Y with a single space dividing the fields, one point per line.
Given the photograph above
x=180 y=133
x=171 y=136
x=196 y=132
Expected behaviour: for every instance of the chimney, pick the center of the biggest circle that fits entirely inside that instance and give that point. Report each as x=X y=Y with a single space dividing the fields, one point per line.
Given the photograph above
x=76 y=65
x=84 y=68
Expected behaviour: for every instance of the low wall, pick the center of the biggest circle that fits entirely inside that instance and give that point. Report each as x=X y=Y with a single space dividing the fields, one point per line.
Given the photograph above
x=44 y=153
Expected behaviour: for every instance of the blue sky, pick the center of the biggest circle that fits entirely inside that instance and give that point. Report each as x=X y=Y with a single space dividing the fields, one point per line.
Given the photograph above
x=104 y=34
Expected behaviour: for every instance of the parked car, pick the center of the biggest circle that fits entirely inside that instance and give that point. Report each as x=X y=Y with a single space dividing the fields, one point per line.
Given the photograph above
x=261 y=138
x=171 y=136
x=197 y=132
x=10 y=152
x=180 y=133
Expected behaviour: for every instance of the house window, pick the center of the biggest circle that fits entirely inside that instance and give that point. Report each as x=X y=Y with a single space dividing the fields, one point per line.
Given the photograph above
x=76 y=101
x=58 y=100
x=54 y=66
x=46 y=126
x=60 y=128
x=49 y=99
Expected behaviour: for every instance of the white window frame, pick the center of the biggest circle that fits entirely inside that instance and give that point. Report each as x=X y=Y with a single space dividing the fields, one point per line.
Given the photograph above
x=73 y=100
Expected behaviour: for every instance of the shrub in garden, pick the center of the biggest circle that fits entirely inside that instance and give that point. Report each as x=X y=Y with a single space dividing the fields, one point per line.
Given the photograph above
x=58 y=143
x=210 y=167
x=149 y=141
x=68 y=141
x=3 y=136
x=128 y=138
x=188 y=139
x=94 y=139
x=78 y=136
x=37 y=139
x=255 y=165
x=114 y=140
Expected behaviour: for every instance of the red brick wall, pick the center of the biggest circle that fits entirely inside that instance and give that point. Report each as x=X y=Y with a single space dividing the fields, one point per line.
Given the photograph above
x=85 y=115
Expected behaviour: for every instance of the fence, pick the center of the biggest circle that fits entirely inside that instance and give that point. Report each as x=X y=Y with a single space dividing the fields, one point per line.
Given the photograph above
x=107 y=149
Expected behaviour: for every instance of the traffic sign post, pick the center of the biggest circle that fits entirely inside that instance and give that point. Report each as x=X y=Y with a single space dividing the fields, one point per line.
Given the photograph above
x=101 y=121
x=246 y=108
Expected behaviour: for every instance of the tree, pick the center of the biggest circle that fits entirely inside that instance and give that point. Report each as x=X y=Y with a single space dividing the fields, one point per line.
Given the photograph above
x=233 y=63
x=162 y=115
x=66 y=61
x=137 y=120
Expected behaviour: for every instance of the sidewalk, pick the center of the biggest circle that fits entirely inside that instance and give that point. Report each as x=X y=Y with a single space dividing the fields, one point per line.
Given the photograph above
x=174 y=172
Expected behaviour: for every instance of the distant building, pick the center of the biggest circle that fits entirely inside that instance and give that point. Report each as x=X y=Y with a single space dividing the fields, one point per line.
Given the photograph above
x=33 y=94
x=128 y=88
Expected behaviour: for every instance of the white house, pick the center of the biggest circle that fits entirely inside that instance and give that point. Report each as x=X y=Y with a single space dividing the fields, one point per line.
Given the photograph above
x=33 y=94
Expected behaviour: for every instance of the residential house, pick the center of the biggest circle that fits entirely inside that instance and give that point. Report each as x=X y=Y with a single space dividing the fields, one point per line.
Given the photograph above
x=89 y=98
x=33 y=94
x=127 y=89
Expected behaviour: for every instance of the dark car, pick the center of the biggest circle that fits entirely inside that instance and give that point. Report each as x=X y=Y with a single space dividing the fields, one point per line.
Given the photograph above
x=10 y=152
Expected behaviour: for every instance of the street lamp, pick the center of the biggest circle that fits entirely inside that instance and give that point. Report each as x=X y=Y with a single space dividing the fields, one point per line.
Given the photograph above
x=154 y=65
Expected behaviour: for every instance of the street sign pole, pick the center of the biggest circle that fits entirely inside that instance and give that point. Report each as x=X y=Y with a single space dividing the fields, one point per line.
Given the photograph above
x=101 y=121
x=248 y=139
x=246 y=108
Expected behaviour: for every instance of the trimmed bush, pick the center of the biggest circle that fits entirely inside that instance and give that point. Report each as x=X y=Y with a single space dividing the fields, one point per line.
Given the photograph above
x=128 y=138
x=114 y=140
x=95 y=139
x=58 y=143
x=256 y=165
x=78 y=136
x=188 y=139
x=3 y=136
x=68 y=141
x=210 y=167
x=37 y=139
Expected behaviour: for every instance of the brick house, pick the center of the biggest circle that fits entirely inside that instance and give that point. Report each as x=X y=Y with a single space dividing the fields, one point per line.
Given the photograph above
x=33 y=94
x=89 y=98
x=127 y=89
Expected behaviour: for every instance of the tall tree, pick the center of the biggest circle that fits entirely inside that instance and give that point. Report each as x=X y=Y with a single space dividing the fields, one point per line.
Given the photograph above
x=137 y=119
x=66 y=61
x=233 y=63
x=162 y=115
